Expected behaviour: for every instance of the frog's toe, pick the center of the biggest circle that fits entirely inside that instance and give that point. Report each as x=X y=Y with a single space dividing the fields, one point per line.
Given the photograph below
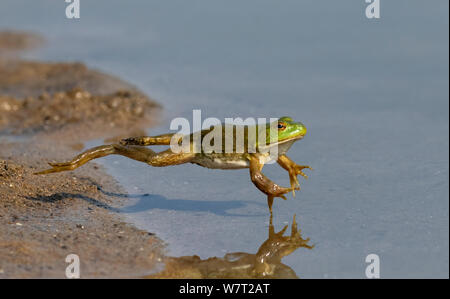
x=298 y=170
x=56 y=169
x=302 y=174
x=301 y=167
x=293 y=190
x=293 y=179
x=281 y=193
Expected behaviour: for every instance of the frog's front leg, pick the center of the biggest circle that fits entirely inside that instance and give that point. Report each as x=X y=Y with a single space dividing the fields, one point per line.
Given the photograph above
x=293 y=169
x=264 y=184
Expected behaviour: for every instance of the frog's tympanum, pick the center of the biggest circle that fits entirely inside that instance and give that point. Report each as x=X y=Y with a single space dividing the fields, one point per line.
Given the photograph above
x=265 y=263
x=253 y=155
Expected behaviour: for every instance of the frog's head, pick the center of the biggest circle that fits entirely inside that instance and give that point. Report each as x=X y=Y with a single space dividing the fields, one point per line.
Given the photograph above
x=284 y=130
x=283 y=133
x=288 y=129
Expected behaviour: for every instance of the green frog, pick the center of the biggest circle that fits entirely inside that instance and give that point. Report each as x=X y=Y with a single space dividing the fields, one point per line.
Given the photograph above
x=253 y=155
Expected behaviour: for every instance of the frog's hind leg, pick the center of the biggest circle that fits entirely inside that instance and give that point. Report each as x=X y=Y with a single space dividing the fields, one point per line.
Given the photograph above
x=148 y=140
x=138 y=153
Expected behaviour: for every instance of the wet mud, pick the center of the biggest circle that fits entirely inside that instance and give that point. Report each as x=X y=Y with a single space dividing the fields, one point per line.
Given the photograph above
x=47 y=112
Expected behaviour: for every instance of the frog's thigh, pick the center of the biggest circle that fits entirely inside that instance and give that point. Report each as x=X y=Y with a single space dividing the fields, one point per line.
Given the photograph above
x=164 y=139
x=134 y=152
x=144 y=154
x=168 y=157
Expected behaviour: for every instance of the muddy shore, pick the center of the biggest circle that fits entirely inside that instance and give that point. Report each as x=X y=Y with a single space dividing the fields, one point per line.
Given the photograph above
x=47 y=112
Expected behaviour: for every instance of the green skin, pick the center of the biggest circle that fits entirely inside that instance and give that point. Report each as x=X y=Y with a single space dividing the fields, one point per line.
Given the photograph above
x=287 y=130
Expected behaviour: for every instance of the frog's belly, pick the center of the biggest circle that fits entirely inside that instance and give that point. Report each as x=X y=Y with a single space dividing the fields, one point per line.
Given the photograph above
x=219 y=163
x=227 y=162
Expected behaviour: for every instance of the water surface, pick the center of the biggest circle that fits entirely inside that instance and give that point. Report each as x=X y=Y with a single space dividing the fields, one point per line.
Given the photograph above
x=372 y=93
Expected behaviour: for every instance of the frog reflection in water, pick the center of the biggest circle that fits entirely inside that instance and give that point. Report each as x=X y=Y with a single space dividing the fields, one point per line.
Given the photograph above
x=285 y=134
x=266 y=263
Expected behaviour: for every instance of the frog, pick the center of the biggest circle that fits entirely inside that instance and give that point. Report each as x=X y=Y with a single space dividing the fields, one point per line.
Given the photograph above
x=256 y=152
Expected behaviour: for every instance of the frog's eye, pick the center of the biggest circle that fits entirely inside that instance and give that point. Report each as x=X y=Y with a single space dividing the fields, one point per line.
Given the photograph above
x=281 y=126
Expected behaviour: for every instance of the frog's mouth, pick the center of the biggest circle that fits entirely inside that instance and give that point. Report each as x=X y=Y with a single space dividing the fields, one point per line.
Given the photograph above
x=295 y=138
x=283 y=145
x=298 y=137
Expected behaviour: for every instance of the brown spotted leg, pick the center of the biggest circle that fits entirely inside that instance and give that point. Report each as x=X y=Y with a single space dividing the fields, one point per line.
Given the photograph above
x=138 y=153
x=148 y=140
x=264 y=184
x=293 y=169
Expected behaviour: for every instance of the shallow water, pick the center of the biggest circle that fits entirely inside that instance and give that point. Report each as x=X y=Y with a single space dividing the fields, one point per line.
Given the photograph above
x=372 y=93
